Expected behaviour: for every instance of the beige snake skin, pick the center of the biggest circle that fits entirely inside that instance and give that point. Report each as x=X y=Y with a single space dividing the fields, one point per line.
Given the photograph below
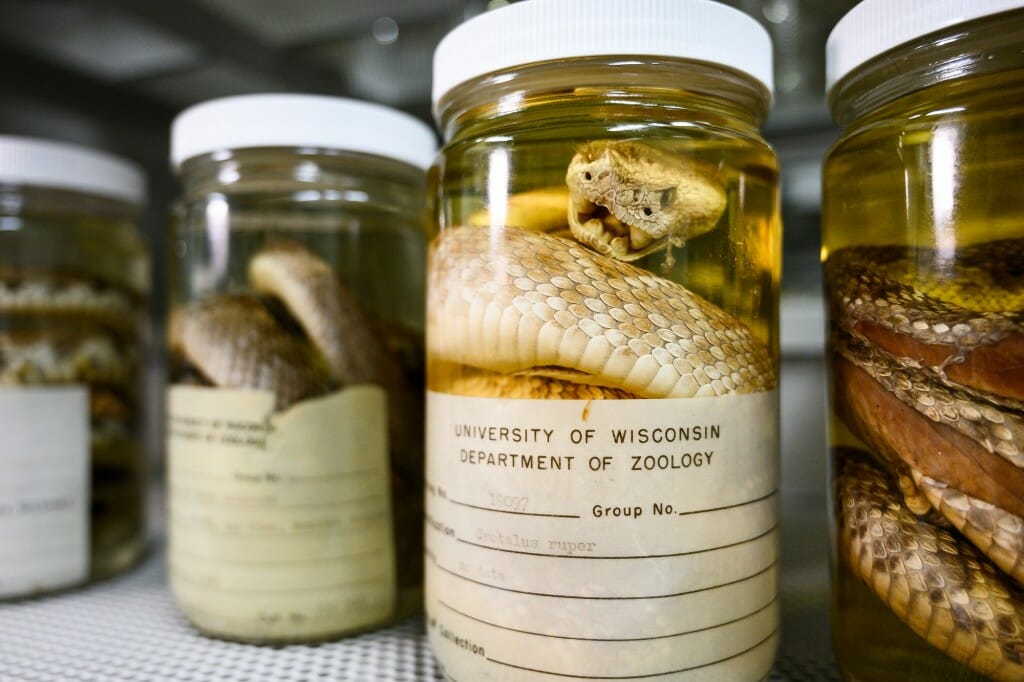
x=629 y=199
x=515 y=301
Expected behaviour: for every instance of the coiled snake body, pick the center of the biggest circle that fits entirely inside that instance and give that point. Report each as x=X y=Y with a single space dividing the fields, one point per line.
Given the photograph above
x=298 y=333
x=521 y=302
x=927 y=371
x=564 y=309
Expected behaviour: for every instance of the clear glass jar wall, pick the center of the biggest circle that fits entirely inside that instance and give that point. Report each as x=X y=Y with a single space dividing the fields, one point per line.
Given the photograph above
x=297 y=355
x=608 y=235
x=923 y=224
x=73 y=290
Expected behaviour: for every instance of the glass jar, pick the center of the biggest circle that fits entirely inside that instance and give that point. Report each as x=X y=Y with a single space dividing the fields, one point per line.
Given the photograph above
x=295 y=411
x=74 y=283
x=923 y=223
x=602 y=439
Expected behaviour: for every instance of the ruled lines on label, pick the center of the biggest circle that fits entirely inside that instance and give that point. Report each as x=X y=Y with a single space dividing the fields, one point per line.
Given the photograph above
x=263 y=589
x=624 y=557
x=640 y=556
x=759 y=609
x=182 y=493
x=774 y=599
x=564 y=515
x=761 y=571
x=44 y=488
x=516 y=513
x=289 y=533
x=248 y=561
x=274 y=477
x=641 y=676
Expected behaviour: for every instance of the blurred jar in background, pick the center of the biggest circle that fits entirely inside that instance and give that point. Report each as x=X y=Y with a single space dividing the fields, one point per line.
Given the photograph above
x=295 y=412
x=73 y=288
x=923 y=241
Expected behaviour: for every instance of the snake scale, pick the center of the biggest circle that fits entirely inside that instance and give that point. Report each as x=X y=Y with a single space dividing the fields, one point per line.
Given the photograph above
x=71 y=330
x=927 y=362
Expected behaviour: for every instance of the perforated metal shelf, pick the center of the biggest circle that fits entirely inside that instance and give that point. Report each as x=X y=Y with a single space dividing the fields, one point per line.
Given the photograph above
x=129 y=630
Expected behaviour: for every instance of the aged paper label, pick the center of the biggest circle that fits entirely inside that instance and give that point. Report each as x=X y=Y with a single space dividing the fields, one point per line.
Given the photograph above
x=44 y=488
x=280 y=524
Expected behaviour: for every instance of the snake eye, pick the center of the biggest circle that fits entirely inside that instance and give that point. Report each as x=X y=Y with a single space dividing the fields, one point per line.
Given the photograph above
x=668 y=196
x=647 y=211
x=587 y=176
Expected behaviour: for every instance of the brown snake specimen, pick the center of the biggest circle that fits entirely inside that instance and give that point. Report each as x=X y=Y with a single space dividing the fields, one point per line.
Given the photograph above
x=298 y=333
x=236 y=342
x=535 y=304
x=245 y=340
x=939 y=585
x=927 y=371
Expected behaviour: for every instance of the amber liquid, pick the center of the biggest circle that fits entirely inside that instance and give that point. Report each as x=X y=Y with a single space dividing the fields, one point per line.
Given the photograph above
x=940 y=170
x=736 y=265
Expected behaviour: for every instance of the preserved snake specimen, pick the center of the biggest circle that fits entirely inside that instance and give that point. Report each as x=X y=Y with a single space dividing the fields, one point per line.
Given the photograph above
x=61 y=329
x=549 y=307
x=297 y=332
x=927 y=373
x=567 y=292
x=558 y=301
x=629 y=199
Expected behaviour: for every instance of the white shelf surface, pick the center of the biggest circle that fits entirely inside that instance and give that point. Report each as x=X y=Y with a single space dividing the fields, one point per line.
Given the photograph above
x=128 y=630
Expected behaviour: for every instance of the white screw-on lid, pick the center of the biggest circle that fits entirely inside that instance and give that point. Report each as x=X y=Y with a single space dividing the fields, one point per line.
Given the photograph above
x=877 y=26
x=43 y=163
x=300 y=121
x=545 y=30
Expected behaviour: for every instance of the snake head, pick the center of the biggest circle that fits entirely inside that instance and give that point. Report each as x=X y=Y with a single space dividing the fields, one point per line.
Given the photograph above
x=628 y=199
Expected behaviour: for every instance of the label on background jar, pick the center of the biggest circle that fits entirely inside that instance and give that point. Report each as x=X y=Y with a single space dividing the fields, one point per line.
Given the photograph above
x=44 y=489
x=280 y=523
x=606 y=539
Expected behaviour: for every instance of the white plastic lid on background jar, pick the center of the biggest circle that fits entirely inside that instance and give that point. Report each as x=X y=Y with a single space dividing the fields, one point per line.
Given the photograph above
x=59 y=165
x=532 y=32
x=874 y=27
x=314 y=121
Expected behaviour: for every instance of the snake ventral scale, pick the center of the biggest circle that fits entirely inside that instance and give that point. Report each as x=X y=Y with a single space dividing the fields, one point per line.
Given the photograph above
x=602 y=457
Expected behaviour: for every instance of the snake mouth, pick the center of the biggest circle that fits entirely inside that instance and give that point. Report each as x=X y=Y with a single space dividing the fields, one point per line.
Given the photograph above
x=594 y=224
